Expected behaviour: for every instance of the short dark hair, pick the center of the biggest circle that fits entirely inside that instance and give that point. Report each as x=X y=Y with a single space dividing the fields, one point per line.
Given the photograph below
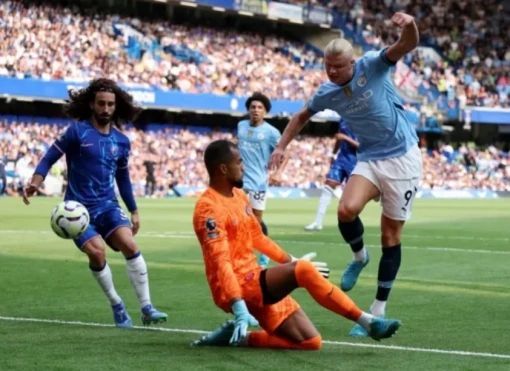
x=217 y=153
x=259 y=97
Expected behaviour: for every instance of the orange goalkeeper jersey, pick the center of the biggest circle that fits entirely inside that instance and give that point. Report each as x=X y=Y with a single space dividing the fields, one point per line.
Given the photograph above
x=228 y=233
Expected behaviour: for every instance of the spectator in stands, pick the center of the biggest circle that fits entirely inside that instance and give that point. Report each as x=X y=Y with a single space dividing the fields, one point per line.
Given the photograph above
x=176 y=154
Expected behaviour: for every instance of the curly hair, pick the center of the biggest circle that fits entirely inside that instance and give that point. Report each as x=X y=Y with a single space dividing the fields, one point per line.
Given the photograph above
x=259 y=97
x=78 y=105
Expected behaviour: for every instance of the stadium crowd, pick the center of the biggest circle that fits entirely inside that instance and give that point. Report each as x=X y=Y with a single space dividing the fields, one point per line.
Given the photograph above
x=52 y=42
x=169 y=157
x=472 y=36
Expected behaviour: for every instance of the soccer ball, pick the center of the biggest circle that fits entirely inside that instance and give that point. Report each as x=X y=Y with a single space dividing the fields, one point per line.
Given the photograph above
x=69 y=219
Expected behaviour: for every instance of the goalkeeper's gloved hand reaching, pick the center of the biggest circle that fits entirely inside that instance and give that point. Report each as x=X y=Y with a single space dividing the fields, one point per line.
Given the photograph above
x=242 y=319
x=322 y=267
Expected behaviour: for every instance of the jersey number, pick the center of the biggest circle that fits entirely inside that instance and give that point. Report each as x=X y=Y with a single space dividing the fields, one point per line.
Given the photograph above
x=408 y=196
x=259 y=196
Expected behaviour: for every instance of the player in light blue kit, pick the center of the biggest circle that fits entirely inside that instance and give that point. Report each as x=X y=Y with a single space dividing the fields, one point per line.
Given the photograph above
x=389 y=160
x=97 y=153
x=256 y=141
x=345 y=151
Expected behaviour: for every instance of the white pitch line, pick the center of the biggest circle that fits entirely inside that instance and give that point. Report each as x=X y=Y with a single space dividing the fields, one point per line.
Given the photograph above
x=311 y=233
x=190 y=331
x=188 y=235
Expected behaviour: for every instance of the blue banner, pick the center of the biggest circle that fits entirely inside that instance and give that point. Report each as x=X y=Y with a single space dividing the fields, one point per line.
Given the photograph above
x=152 y=98
x=164 y=99
x=229 y=4
x=486 y=115
x=317 y=15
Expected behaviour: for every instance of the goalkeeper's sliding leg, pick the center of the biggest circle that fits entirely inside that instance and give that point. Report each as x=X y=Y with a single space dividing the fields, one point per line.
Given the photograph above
x=285 y=325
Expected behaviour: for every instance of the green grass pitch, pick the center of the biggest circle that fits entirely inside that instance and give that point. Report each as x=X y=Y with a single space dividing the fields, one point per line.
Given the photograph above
x=452 y=293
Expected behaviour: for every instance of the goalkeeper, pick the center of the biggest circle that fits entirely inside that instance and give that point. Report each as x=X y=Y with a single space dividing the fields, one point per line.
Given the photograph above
x=228 y=233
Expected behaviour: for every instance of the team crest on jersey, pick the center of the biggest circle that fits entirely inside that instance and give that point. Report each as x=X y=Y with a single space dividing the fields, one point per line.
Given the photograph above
x=210 y=224
x=115 y=151
x=260 y=136
x=362 y=81
x=248 y=210
x=250 y=133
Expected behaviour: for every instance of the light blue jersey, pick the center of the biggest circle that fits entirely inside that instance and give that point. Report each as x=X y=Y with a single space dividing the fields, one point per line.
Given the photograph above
x=371 y=108
x=256 y=143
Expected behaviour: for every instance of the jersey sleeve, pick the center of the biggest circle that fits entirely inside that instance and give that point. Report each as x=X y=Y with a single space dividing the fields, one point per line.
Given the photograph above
x=67 y=141
x=123 y=160
x=263 y=243
x=275 y=138
x=378 y=62
x=209 y=226
x=123 y=179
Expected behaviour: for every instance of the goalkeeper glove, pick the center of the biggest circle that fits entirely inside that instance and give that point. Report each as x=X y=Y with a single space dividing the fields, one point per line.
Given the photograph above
x=242 y=319
x=322 y=267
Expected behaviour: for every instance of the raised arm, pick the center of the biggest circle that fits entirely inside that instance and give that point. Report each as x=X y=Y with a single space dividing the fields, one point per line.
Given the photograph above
x=408 y=40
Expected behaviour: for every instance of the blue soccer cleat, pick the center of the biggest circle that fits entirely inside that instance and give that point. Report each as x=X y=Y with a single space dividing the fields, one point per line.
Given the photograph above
x=219 y=337
x=380 y=328
x=151 y=315
x=263 y=261
x=359 y=331
x=121 y=316
x=352 y=273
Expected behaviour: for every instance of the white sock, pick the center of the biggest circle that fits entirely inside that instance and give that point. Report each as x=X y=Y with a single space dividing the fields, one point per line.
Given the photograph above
x=378 y=308
x=105 y=279
x=365 y=320
x=325 y=199
x=360 y=255
x=139 y=277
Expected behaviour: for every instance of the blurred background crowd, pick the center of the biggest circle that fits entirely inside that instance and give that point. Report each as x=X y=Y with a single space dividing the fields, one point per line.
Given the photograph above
x=54 y=42
x=173 y=156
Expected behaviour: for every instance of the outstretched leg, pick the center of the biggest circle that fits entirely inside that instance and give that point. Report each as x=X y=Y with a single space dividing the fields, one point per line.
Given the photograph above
x=122 y=240
x=94 y=248
x=296 y=332
x=283 y=279
x=276 y=284
x=358 y=191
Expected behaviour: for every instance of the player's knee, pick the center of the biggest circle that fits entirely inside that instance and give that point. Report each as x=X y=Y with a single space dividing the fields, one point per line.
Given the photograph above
x=304 y=271
x=96 y=257
x=331 y=184
x=390 y=238
x=391 y=232
x=314 y=343
x=128 y=247
x=348 y=211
